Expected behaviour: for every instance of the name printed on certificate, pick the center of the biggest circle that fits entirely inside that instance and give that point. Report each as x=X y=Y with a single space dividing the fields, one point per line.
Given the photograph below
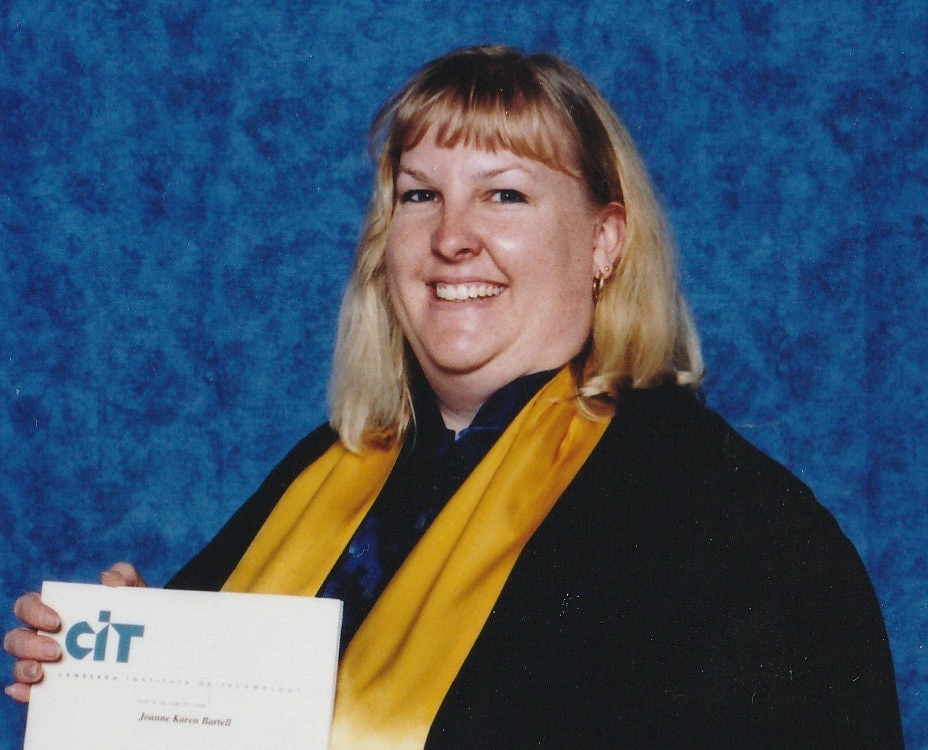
x=152 y=669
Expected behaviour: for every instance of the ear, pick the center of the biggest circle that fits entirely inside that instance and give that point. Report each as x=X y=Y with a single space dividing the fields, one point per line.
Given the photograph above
x=609 y=239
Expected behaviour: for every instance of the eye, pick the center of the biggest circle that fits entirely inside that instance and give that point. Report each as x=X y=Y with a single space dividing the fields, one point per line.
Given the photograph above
x=508 y=196
x=417 y=196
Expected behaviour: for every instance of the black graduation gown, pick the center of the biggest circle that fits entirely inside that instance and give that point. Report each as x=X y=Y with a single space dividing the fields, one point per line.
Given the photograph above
x=686 y=591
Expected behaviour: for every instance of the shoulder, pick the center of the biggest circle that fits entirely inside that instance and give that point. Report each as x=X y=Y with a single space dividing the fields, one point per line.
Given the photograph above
x=673 y=425
x=307 y=450
x=676 y=482
x=210 y=568
x=667 y=437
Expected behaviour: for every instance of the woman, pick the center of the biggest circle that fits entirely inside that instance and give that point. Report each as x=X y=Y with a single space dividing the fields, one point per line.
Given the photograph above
x=541 y=536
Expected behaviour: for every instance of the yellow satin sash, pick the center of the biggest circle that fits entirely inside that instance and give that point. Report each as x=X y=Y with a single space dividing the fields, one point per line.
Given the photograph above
x=402 y=660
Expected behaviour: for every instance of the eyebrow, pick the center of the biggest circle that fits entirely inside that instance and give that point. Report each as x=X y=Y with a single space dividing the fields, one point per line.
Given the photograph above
x=415 y=173
x=484 y=175
x=491 y=173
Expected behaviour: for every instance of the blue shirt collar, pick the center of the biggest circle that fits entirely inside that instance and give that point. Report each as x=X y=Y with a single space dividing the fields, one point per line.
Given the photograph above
x=488 y=423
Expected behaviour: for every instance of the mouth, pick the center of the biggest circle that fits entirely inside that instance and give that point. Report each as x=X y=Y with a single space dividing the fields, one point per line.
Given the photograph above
x=463 y=292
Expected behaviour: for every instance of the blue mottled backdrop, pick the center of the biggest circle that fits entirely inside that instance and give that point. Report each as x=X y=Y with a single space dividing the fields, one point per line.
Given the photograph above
x=181 y=185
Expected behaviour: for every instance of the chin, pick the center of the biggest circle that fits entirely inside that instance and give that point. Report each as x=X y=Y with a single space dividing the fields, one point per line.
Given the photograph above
x=458 y=365
x=459 y=357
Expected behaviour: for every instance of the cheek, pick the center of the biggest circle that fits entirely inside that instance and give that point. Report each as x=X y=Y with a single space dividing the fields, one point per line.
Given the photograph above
x=401 y=247
x=398 y=275
x=569 y=262
x=563 y=301
x=393 y=261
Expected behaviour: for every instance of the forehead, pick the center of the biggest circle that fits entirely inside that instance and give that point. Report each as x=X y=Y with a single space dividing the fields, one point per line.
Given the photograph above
x=429 y=159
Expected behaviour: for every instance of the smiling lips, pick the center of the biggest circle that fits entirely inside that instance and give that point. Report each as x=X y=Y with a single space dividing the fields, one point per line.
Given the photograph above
x=461 y=292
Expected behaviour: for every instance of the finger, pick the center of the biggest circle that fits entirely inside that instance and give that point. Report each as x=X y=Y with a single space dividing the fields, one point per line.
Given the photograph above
x=28 y=672
x=122 y=574
x=18 y=692
x=35 y=613
x=27 y=644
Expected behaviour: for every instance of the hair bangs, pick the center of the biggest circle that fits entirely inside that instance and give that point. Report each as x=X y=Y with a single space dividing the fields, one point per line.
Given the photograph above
x=492 y=122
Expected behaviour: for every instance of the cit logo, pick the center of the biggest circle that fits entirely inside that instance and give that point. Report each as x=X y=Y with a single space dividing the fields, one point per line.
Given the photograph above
x=80 y=634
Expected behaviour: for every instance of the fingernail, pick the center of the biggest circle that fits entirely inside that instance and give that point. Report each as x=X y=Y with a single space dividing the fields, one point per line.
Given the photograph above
x=107 y=576
x=50 y=622
x=8 y=690
x=51 y=650
x=33 y=672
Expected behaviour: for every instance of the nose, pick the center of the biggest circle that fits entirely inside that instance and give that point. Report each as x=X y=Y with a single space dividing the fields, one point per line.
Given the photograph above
x=455 y=236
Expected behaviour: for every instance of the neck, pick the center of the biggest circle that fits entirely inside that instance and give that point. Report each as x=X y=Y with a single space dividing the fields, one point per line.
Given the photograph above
x=458 y=407
x=460 y=399
x=457 y=421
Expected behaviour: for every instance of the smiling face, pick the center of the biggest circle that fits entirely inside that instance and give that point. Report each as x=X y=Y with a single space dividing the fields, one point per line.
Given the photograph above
x=489 y=263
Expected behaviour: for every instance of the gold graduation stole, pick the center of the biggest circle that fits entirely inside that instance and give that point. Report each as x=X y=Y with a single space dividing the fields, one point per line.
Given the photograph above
x=401 y=662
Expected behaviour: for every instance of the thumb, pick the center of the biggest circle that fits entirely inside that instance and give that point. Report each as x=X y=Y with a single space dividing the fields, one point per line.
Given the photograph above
x=122 y=574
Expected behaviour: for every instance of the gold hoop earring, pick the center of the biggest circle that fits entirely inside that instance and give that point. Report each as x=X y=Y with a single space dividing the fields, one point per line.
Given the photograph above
x=599 y=282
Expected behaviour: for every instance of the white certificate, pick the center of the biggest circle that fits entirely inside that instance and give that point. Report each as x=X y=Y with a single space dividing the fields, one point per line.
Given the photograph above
x=151 y=669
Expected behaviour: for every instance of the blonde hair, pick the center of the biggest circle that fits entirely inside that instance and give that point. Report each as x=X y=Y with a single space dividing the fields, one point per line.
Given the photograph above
x=539 y=107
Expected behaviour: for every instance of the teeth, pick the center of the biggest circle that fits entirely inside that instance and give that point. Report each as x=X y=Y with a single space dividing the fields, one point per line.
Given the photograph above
x=457 y=292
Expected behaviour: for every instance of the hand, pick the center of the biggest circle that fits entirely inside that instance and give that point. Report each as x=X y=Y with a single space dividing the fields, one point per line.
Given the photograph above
x=27 y=644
